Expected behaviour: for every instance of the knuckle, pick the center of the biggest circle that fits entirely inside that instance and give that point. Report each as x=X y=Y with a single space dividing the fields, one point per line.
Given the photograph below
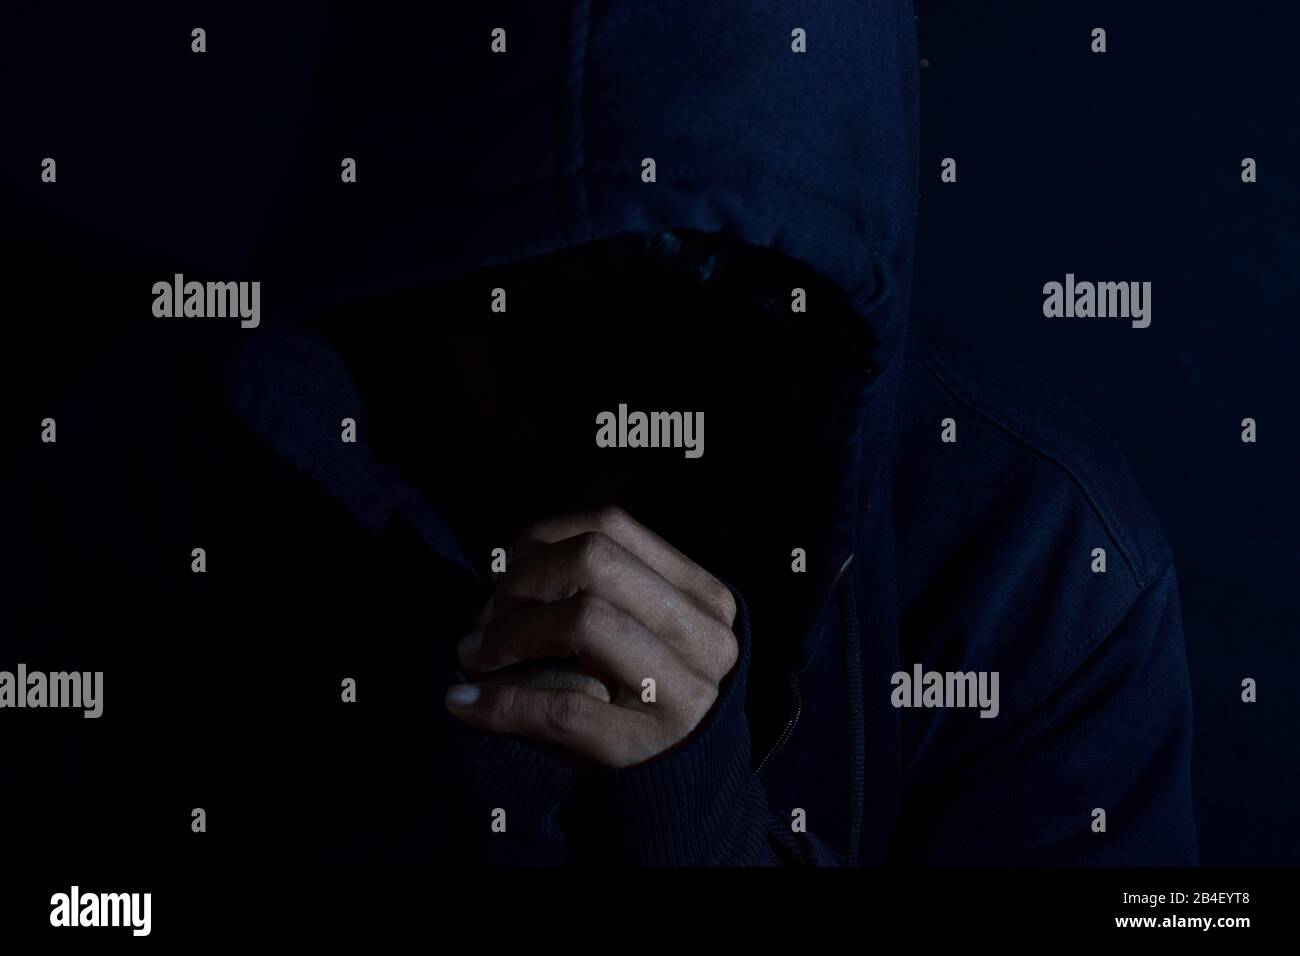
x=728 y=651
x=703 y=705
x=721 y=599
x=506 y=705
x=701 y=691
x=595 y=550
x=567 y=711
x=694 y=694
x=591 y=615
x=610 y=518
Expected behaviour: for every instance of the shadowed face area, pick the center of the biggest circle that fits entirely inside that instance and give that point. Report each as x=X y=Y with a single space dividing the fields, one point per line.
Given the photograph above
x=494 y=414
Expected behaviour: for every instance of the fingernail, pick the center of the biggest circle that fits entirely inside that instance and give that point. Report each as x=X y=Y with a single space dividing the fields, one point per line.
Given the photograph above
x=462 y=695
x=469 y=644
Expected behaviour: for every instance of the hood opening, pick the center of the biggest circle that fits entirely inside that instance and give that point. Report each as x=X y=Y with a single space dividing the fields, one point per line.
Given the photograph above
x=672 y=321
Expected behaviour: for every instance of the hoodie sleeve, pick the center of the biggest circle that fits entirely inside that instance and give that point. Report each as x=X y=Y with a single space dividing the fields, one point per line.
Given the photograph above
x=1097 y=774
x=510 y=775
x=699 y=805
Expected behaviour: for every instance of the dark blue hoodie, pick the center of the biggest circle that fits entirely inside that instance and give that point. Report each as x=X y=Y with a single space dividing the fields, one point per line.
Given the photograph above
x=970 y=555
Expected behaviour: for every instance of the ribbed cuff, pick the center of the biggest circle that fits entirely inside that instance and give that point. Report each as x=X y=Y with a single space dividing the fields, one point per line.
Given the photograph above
x=696 y=806
x=529 y=786
x=517 y=776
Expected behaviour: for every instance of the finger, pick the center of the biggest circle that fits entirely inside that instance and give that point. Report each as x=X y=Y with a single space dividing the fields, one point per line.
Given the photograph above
x=596 y=634
x=673 y=566
x=592 y=563
x=551 y=675
x=607 y=734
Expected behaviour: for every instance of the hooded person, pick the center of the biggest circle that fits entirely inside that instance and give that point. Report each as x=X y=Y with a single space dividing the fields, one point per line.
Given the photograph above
x=679 y=199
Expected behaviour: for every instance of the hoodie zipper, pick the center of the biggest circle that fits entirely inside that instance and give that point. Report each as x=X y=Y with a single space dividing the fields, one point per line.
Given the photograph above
x=790 y=723
x=796 y=696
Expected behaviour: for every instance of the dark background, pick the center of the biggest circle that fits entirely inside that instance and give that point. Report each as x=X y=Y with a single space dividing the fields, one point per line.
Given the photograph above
x=1119 y=166
x=1127 y=166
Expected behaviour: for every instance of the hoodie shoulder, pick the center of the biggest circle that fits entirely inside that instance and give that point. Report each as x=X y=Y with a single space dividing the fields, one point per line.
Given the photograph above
x=1026 y=551
x=1021 y=528
x=1007 y=418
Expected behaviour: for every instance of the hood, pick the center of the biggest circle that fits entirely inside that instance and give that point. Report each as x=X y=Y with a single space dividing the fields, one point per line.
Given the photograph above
x=468 y=157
